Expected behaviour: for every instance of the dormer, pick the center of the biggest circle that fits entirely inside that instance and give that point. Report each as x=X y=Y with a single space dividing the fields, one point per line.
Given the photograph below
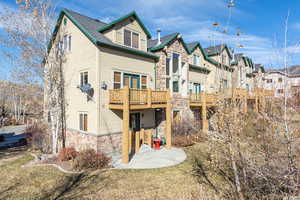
x=128 y=31
x=220 y=53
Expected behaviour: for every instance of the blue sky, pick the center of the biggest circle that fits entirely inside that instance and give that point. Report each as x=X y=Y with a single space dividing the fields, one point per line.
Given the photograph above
x=261 y=21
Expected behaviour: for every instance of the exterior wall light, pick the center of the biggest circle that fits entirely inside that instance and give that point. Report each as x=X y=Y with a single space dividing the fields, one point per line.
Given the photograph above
x=104 y=85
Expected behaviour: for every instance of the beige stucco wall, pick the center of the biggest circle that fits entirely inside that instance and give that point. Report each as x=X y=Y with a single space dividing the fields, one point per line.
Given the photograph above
x=116 y=34
x=82 y=57
x=196 y=76
x=110 y=61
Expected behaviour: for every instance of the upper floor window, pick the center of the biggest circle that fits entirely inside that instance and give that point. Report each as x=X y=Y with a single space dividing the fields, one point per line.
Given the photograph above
x=175 y=63
x=144 y=82
x=279 y=80
x=175 y=86
x=117 y=80
x=168 y=66
x=196 y=60
x=269 y=80
x=131 y=39
x=223 y=59
x=65 y=44
x=84 y=78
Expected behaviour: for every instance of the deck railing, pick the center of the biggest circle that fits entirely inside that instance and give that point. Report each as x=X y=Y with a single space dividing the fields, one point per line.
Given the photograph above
x=138 y=96
x=200 y=98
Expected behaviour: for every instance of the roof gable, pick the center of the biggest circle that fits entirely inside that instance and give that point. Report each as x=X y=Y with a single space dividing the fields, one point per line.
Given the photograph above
x=131 y=14
x=166 y=41
x=89 y=27
x=193 y=46
x=217 y=50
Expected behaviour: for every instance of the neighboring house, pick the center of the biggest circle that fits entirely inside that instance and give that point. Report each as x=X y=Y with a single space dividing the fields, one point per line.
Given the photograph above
x=277 y=81
x=280 y=81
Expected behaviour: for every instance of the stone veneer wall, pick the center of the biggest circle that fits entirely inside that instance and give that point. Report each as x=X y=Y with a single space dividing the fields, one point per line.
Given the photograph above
x=179 y=102
x=100 y=143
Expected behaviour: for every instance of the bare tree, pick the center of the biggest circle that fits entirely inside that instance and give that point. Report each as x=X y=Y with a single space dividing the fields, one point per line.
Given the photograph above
x=28 y=32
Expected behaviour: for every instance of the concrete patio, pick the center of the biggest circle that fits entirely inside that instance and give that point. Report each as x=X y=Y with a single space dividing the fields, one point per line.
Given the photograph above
x=150 y=159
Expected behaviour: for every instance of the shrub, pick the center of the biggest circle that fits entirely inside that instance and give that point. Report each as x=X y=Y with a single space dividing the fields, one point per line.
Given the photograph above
x=67 y=153
x=89 y=159
x=38 y=137
x=186 y=140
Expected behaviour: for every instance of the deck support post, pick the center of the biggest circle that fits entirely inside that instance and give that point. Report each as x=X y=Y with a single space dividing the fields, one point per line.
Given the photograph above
x=137 y=142
x=125 y=136
x=168 y=121
x=204 y=112
x=256 y=103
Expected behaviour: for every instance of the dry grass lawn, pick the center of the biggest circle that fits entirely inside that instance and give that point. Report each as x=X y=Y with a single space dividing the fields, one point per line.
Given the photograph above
x=174 y=183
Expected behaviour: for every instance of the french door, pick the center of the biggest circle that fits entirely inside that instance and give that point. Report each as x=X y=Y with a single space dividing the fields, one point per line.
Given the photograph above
x=132 y=81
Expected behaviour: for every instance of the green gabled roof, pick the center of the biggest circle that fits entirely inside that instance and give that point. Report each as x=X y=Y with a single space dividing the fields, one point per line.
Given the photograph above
x=165 y=41
x=201 y=69
x=131 y=14
x=88 y=26
x=216 y=50
x=193 y=47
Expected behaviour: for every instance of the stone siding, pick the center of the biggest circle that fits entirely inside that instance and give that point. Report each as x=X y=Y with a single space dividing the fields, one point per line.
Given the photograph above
x=100 y=143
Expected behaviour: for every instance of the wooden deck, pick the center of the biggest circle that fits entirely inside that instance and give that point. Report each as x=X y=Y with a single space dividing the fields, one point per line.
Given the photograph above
x=138 y=99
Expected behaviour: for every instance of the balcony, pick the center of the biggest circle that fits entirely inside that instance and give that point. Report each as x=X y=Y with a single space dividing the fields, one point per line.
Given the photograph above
x=199 y=99
x=138 y=98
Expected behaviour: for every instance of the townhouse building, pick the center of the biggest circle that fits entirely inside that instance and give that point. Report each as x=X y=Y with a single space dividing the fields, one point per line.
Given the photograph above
x=123 y=88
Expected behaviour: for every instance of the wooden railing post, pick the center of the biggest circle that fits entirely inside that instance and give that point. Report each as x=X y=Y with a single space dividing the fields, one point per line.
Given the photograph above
x=204 y=113
x=125 y=136
x=149 y=97
x=168 y=121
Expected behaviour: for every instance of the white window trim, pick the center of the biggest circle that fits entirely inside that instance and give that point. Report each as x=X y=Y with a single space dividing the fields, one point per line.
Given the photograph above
x=127 y=72
x=83 y=71
x=131 y=32
x=78 y=114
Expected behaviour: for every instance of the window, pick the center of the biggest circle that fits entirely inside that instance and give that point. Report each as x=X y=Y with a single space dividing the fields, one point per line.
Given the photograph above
x=223 y=59
x=127 y=38
x=65 y=41
x=224 y=83
x=196 y=60
x=117 y=80
x=84 y=78
x=144 y=82
x=131 y=39
x=70 y=42
x=279 y=80
x=175 y=86
x=175 y=63
x=135 y=40
x=269 y=80
x=83 y=121
x=168 y=66
x=167 y=83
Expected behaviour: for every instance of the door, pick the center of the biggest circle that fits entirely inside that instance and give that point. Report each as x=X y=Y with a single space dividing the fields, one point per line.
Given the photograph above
x=135 y=121
x=132 y=80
